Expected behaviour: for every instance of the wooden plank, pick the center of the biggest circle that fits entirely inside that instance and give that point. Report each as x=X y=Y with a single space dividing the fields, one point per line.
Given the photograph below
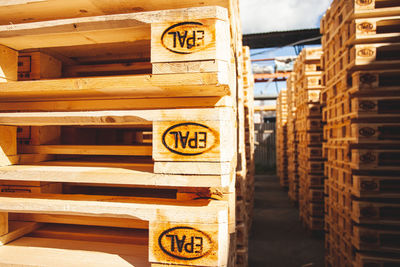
x=100 y=29
x=88 y=150
x=80 y=220
x=202 y=168
x=114 y=117
x=190 y=67
x=105 y=175
x=39 y=10
x=133 y=86
x=8 y=64
x=3 y=223
x=82 y=162
x=56 y=188
x=8 y=140
x=45 y=252
x=8 y=145
x=90 y=233
x=118 y=104
x=146 y=209
x=18 y=229
x=104 y=69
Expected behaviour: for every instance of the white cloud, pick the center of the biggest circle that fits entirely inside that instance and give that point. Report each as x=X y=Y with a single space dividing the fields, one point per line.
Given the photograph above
x=281 y=15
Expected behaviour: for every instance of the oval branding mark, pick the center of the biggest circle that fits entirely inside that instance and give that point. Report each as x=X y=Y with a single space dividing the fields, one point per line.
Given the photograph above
x=185 y=243
x=368 y=158
x=186 y=37
x=367 y=132
x=364 y=2
x=365 y=27
x=368 y=78
x=189 y=139
x=365 y=52
x=369 y=185
x=367 y=105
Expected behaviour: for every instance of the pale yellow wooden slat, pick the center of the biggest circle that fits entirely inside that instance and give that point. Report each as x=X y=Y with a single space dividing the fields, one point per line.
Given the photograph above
x=134 y=86
x=106 y=175
x=146 y=209
x=114 y=117
x=45 y=252
x=88 y=150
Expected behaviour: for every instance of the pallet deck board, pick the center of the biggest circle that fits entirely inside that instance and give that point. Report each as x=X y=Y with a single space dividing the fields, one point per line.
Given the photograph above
x=106 y=175
x=146 y=209
x=116 y=117
x=134 y=150
x=40 y=10
x=47 y=251
x=133 y=86
x=33 y=35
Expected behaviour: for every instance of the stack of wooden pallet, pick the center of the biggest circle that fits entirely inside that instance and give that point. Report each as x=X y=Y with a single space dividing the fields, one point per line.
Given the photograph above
x=248 y=79
x=292 y=141
x=362 y=65
x=117 y=132
x=309 y=135
x=281 y=139
x=245 y=163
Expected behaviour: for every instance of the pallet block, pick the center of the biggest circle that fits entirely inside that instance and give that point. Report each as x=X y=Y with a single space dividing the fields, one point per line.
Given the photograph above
x=8 y=145
x=8 y=64
x=36 y=66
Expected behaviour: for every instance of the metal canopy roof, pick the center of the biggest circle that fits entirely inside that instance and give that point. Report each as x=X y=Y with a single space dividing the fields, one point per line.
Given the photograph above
x=280 y=39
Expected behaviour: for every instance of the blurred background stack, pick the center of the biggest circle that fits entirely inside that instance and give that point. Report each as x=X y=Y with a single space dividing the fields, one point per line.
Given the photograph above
x=361 y=62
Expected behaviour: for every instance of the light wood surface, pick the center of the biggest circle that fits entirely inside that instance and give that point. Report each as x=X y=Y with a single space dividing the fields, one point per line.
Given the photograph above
x=146 y=209
x=133 y=86
x=106 y=175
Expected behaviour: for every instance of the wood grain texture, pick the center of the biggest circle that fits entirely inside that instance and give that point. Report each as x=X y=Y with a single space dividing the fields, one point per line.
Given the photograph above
x=115 y=117
x=39 y=10
x=88 y=150
x=118 y=104
x=8 y=64
x=18 y=229
x=145 y=209
x=3 y=223
x=122 y=175
x=133 y=86
x=45 y=252
x=98 y=29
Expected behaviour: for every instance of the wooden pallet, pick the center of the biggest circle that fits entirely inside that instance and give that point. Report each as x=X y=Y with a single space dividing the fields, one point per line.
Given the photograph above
x=373 y=82
x=375 y=186
x=292 y=141
x=281 y=139
x=379 y=239
x=98 y=79
x=375 y=212
x=139 y=86
x=364 y=260
x=165 y=137
x=375 y=158
x=341 y=12
x=164 y=217
x=361 y=57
